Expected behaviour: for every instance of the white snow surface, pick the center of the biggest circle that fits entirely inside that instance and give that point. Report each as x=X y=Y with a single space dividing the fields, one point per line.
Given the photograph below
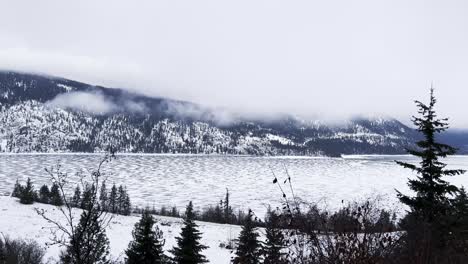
x=22 y=221
x=176 y=179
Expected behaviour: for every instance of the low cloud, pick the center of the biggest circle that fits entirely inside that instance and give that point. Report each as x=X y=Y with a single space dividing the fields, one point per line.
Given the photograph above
x=82 y=101
x=95 y=103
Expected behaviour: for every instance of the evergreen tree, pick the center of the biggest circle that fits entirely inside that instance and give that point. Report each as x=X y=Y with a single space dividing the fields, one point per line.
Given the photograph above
x=428 y=223
x=88 y=196
x=275 y=242
x=28 y=195
x=248 y=247
x=44 y=194
x=55 y=197
x=113 y=200
x=174 y=212
x=227 y=209
x=17 y=190
x=89 y=243
x=431 y=190
x=147 y=244
x=127 y=206
x=103 y=199
x=120 y=199
x=76 y=200
x=188 y=248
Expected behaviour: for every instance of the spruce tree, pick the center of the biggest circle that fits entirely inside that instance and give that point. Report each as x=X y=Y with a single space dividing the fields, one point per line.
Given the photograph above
x=227 y=209
x=87 y=198
x=103 y=199
x=76 y=200
x=127 y=205
x=275 y=242
x=120 y=199
x=89 y=243
x=113 y=199
x=55 y=197
x=248 y=246
x=28 y=195
x=17 y=190
x=431 y=190
x=44 y=194
x=188 y=249
x=147 y=244
x=428 y=225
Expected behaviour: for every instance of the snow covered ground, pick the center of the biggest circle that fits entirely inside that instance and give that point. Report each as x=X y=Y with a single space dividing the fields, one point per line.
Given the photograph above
x=175 y=179
x=21 y=221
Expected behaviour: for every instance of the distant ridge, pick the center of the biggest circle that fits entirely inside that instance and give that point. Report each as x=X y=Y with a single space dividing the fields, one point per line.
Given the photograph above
x=51 y=114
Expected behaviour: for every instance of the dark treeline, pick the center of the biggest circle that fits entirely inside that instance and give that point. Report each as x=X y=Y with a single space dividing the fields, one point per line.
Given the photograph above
x=28 y=195
x=116 y=200
x=221 y=213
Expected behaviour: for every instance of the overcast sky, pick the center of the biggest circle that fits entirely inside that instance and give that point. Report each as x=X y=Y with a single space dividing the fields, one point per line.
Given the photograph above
x=315 y=58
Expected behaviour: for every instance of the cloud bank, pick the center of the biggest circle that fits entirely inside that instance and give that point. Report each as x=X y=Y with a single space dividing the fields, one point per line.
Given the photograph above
x=96 y=103
x=332 y=59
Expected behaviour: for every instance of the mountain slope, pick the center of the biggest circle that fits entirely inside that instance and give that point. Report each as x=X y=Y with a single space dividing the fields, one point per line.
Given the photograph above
x=48 y=114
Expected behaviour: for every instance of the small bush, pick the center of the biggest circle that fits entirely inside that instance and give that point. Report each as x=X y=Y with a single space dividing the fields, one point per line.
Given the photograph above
x=17 y=251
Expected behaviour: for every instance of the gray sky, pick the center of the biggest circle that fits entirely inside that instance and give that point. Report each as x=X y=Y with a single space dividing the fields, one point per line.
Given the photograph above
x=314 y=58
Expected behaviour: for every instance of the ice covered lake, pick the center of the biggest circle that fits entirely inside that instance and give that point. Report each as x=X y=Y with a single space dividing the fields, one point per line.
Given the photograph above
x=175 y=179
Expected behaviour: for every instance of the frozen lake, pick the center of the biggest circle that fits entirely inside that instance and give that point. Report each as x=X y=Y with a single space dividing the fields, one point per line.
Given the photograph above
x=176 y=179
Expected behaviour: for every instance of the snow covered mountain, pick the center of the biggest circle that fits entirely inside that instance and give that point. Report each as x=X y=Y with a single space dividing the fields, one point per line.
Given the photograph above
x=49 y=114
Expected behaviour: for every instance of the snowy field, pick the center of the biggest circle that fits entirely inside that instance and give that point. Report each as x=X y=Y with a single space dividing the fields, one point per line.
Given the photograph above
x=175 y=179
x=21 y=221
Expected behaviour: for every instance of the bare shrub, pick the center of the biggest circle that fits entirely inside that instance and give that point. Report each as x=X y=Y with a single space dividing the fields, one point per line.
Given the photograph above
x=17 y=251
x=359 y=232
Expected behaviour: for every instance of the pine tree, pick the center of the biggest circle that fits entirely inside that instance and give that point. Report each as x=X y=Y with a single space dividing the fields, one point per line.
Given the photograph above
x=28 y=195
x=113 y=200
x=275 y=242
x=188 y=248
x=120 y=199
x=431 y=190
x=76 y=200
x=248 y=247
x=103 y=199
x=55 y=197
x=127 y=205
x=227 y=209
x=429 y=227
x=89 y=243
x=87 y=198
x=147 y=244
x=17 y=190
x=44 y=194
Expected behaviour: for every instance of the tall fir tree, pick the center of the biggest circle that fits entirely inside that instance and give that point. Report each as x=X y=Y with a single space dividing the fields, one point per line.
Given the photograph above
x=147 y=244
x=189 y=249
x=113 y=206
x=429 y=227
x=28 y=194
x=89 y=243
x=103 y=199
x=273 y=249
x=76 y=199
x=17 y=190
x=44 y=194
x=88 y=196
x=431 y=190
x=55 y=197
x=248 y=246
x=120 y=199
x=127 y=205
x=227 y=210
